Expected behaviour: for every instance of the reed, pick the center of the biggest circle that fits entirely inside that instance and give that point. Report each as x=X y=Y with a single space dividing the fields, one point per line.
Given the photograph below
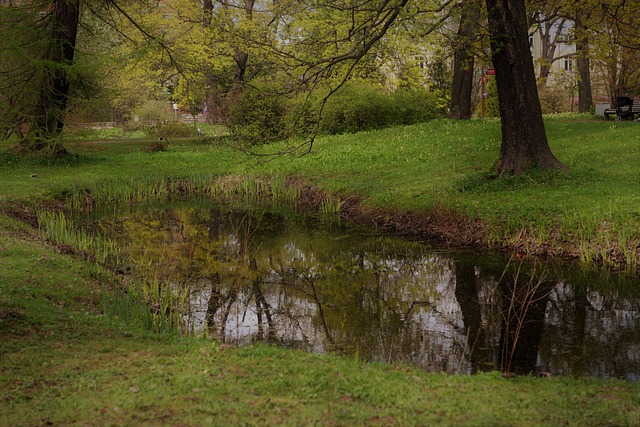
x=57 y=228
x=330 y=206
x=253 y=189
x=155 y=306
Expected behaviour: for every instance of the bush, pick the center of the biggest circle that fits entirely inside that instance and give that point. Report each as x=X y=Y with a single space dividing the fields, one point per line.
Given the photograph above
x=257 y=117
x=153 y=112
x=551 y=100
x=171 y=129
x=301 y=117
x=411 y=106
x=492 y=105
x=359 y=107
x=355 y=108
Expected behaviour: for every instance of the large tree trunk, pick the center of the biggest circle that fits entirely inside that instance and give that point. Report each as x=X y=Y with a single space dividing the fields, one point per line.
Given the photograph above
x=48 y=121
x=463 y=61
x=585 y=96
x=524 y=140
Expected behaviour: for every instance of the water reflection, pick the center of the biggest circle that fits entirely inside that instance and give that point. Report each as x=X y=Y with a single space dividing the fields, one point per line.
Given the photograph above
x=257 y=276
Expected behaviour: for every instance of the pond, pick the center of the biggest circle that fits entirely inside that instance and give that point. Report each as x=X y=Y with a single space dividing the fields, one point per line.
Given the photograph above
x=322 y=286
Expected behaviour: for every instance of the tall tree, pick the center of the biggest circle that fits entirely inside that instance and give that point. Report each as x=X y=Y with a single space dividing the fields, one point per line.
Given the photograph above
x=37 y=87
x=524 y=140
x=585 y=96
x=463 y=60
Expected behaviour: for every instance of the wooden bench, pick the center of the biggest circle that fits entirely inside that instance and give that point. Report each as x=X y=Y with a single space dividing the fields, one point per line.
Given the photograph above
x=624 y=111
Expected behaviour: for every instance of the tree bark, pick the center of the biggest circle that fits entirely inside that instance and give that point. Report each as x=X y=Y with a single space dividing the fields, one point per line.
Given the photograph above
x=585 y=96
x=524 y=140
x=48 y=121
x=463 y=61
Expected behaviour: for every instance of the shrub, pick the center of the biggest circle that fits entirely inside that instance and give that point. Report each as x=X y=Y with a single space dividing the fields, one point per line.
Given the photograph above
x=153 y=112
x=551 y=100
x=355 y=108
x=155 y=147
x=411 y=106
x=492 y=106
x=362 y=107
x=257 y=117
x=171 y=129
x=301 y=117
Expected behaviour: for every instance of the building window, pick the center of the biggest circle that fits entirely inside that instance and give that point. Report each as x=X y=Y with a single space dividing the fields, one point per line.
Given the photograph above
x=531 y=42
x=568 y=65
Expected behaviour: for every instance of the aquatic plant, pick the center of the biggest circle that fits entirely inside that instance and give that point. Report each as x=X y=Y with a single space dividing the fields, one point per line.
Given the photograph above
x=57 y=228
x=154 y=306
x=251 y=189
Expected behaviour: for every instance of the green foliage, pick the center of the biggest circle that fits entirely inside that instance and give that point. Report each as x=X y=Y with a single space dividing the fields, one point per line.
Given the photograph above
x=355 y=107
x=149 y=304
x=412 y=106
x=360 y=106
x=58 y=229
x=492 y=107
x=151 y=113
x=257 y=117
x=172 y=128
x=551 y=100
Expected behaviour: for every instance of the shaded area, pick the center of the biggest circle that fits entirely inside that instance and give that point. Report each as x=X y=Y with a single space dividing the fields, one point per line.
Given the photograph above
x=314 y=284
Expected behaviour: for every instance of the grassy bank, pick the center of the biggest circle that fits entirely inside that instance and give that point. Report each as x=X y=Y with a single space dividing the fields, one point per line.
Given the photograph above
x=590 y=212
x=63 y=363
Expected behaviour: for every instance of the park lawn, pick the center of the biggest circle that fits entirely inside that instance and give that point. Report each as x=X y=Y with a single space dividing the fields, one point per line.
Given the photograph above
x=63 y=363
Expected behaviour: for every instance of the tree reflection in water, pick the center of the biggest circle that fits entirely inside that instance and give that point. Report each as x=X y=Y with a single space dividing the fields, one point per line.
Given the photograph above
x=299 y=282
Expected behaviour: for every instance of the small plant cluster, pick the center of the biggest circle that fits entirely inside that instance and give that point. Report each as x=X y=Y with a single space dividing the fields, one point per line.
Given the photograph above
x=251 y=189
x=57 y=228
x=150 y=304
x=259 y=117
x=156 y=146
x=244 y=189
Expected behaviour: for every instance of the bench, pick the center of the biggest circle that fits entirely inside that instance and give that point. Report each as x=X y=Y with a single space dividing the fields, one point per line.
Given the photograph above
x=625 y=110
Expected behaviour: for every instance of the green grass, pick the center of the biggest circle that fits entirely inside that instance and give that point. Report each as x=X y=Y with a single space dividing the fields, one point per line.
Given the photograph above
x=64 y=363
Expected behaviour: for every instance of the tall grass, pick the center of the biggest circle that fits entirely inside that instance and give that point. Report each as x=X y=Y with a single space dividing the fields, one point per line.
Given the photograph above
x=248 y=189
x=56 y=227
x=154 y=306
x=254 y=189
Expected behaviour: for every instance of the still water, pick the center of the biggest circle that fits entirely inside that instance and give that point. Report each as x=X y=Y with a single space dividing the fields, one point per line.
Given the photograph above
x=312 y=283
